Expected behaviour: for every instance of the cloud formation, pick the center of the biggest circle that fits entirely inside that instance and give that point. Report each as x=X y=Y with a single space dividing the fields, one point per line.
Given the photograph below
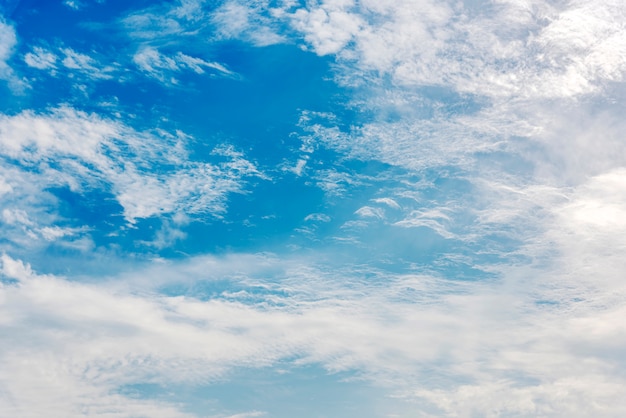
x=157 y=65
x=543 y=340
x=148 y=173
x=8 y=41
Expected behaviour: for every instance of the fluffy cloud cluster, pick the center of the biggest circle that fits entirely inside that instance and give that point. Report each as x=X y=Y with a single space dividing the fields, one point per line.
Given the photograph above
x=148 y=173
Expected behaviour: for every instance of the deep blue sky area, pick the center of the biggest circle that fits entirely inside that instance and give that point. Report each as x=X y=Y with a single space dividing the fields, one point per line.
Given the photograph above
x=333 y=208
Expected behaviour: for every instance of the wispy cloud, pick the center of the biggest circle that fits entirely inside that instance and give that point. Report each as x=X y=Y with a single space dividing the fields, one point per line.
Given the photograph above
x=8 y=41
x=70 y=148
x=40 y=59
x=251 y=21
x=69 y=61
x=163 y=67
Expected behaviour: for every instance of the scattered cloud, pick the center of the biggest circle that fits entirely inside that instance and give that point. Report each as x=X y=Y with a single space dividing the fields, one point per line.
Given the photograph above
x=160 y=66
x=71 y=61
x=388 y=201
x=370 y=212
x=85 y=64
x=86 y=150
x=250 y=21
x=41 y=59
x=73 y=4
x=8 y=41
x=317 y=217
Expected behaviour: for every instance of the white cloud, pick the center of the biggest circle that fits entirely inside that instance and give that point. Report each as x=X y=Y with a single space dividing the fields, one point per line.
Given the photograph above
x=27 y=211
x=248 y=414
x=199 y=65
x=90 y=151
x=73 y=4
x=41 y=59
x=77 y=61
x=150 y=60
x=449 y=346
x=166 y=21
x=16 y=216
x=68 y=59
x=86 y=64
x=590 y=229
x=300 y=166
x=388 y=201
x=328 y=28
x=370 y=212
x=317 y=217
x=252 y=21
x=4 y=187
x=509 y=48
x=19 y=219
x=8 y=41
x=150 y=26
x=435 y=219
x=160 y=66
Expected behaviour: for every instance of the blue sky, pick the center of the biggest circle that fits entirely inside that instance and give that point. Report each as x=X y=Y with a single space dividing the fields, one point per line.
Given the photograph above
x=332 y=208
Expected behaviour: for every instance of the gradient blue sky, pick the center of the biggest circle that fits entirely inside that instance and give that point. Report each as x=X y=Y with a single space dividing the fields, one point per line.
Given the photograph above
x=331 y=208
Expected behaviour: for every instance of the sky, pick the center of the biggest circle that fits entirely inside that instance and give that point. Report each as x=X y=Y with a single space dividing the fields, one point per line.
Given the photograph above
x=321 y=208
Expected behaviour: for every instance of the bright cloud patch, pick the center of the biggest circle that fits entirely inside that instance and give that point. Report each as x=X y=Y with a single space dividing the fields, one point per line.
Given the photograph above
x=8 y=40
x=157 y=65
x=149 y=173
x=40 y=59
